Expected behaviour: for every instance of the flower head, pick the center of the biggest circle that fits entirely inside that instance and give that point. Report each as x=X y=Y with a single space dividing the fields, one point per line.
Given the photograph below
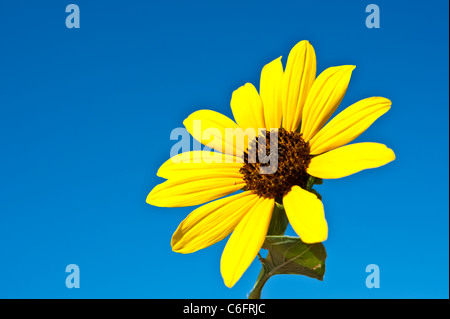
x=295 y=105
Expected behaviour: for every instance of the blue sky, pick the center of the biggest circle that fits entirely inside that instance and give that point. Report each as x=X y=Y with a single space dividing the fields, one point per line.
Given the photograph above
x=85 y=120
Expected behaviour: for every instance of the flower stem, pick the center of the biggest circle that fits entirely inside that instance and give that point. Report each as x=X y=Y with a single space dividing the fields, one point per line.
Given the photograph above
x=277 y=226
x=260 y=282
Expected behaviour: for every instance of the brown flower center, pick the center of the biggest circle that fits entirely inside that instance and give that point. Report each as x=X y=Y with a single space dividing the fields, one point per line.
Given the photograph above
x=292 y=161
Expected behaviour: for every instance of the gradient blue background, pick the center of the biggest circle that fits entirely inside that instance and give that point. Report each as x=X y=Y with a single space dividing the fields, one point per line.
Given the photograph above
x=85 y=118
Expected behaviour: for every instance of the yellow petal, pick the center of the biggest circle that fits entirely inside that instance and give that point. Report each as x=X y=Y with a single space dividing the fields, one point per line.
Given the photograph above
x=324 y=97
x=306 y=215
x=195 y=189
x=246 y=241
x=211 y=222
x=270 y=91
x=247 y=107
x=210 y=128
x=192 y=162
x=297 y=80
x=350 y=159
x=349 y=124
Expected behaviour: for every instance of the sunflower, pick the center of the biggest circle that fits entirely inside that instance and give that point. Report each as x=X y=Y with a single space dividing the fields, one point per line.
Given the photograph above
x=298 y=106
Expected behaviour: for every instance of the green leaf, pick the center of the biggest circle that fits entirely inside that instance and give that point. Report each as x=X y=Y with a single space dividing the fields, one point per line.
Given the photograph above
x=289 y=255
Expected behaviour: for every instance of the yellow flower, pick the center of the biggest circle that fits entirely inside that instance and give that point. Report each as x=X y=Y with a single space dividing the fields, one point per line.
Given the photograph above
x=299 y=105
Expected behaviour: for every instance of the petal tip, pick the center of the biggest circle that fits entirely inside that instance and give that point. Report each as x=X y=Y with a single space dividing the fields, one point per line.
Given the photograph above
x=149 y=200
x=152 y=198
x=317 y=238
x=177 y=248
x=228 y=281
x=392 y=155
x=388 y=101
x=187 y=122
x=304 y=42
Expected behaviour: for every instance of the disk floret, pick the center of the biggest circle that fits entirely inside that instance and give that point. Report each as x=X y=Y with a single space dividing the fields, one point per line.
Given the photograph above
x=293 y=160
